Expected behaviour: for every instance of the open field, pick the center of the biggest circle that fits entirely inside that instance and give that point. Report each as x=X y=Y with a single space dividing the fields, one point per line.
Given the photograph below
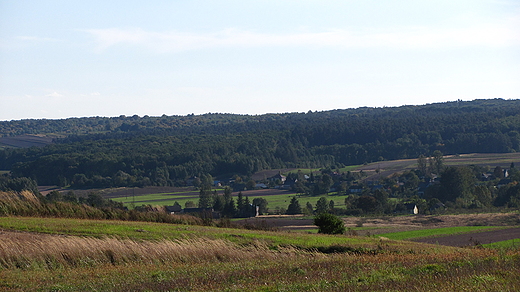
x=275 y=198
x=53 y=254
x=25 y=141
x=387 y=168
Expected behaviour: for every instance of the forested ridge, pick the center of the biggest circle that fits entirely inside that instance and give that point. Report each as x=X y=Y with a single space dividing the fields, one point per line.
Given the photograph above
x=166 y=150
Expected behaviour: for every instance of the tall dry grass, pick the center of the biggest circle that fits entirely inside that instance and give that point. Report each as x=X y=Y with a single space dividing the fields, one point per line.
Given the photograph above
x=29 y=250
x=26 y=203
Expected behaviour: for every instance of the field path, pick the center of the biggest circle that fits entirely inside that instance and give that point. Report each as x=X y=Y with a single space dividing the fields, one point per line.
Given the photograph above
x=460 y=240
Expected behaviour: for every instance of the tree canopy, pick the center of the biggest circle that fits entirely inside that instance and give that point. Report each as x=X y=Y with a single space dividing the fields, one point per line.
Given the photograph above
x=169 y=150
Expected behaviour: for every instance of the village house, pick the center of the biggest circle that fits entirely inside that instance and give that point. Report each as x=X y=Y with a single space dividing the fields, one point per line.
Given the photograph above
x=355 y=189
x=175 y=209
x=280 y=177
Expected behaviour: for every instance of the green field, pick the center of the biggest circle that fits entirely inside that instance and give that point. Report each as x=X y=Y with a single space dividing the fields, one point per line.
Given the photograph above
x=274 y=201
x=160 y=231
x=413 y=234
x=506 y=244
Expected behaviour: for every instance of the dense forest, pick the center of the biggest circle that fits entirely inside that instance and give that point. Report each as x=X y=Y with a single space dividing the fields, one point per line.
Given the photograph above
x=167 y=150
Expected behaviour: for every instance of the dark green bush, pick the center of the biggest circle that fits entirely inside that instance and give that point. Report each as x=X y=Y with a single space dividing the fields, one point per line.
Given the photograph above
x=329 y=224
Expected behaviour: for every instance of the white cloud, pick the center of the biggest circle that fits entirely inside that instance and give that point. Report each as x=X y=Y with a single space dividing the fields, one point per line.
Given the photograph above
x=54 y=94
x=95 y=94
x=486 y=34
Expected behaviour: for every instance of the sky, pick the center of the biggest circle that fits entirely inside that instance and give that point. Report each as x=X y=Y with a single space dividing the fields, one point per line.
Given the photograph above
x=61 y=59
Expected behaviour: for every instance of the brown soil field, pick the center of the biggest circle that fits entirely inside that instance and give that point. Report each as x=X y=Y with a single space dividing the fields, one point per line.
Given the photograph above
x=387 y=168
x=472 y=239
x=25 y=141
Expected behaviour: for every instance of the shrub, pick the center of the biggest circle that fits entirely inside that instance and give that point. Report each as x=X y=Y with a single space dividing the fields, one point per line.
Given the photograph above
x=329 y=224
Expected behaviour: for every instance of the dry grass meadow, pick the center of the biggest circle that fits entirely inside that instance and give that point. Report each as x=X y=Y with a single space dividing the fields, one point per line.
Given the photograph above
x=32 y=261
x=48 y=253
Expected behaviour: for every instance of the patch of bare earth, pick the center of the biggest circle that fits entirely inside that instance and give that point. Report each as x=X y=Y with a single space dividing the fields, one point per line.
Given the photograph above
x=472 y=239
x=26 y=141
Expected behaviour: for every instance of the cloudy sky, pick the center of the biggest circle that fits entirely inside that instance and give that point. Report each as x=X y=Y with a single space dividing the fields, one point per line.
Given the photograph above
x=62 y=59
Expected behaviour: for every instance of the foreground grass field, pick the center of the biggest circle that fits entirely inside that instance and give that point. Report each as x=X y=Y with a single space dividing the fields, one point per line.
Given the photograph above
x=93 y=255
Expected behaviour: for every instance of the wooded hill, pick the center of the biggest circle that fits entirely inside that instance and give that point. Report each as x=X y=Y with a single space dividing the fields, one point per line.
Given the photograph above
x=166 y=150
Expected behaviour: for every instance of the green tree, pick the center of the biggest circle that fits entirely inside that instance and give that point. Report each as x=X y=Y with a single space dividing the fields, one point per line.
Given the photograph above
x=329 y=224
x=367 y=203
x=54 y=196
x=382 y=204
x=438 y=161
x=324 y=184
x=251 y=184
x=229 y=209
x=331 y=205
x=294 y=207
x=218 y=202
x=240 y=202
x=421 y=165
x=262 y=205
x=514 y=173
x=227 y=194
x=457 y=182
x=300 y=188
x=498 y=172
x=205 y=198
x=70 y=196
x=483 y=195
x=349 y=201
x=342 y=188
x=411 y=180
x=308 y=208
x=322 y=205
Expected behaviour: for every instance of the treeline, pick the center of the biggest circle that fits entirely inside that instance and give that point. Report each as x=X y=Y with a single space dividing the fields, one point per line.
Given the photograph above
x=167 y=150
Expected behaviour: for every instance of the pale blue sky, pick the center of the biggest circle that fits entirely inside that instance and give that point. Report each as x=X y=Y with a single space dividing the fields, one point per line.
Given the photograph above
x=62 y=59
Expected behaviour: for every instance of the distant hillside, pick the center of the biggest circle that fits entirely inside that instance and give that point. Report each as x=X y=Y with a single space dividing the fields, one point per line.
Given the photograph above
x=166 y=150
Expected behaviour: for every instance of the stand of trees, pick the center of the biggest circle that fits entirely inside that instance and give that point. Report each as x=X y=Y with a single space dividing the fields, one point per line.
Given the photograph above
x=142 y=151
